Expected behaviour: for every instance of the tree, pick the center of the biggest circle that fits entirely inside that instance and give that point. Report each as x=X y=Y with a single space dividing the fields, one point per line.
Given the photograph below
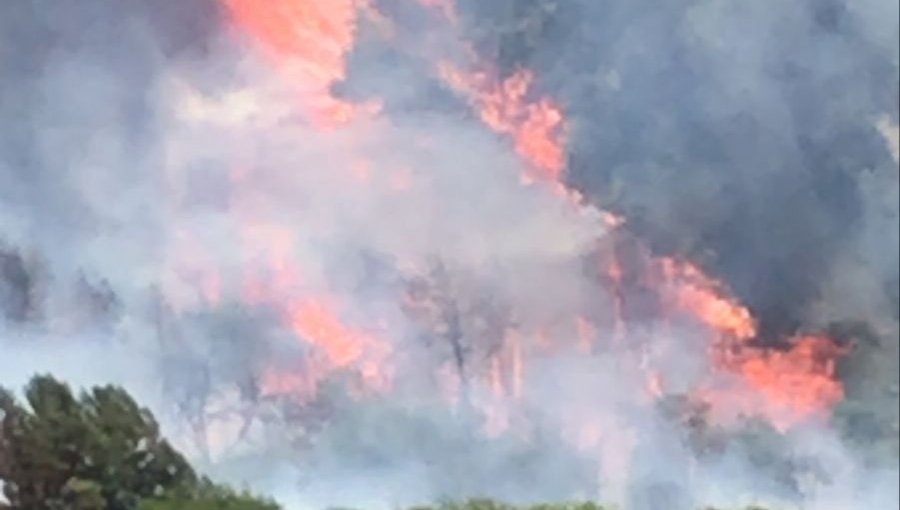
x=98 y=451
x=82 y=495
x=459 y=319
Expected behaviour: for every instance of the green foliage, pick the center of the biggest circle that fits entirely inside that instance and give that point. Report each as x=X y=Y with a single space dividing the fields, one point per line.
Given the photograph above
x=209 y=497
x=98 y=451
x=60 y=442
x=82 y=495
x=486 y=504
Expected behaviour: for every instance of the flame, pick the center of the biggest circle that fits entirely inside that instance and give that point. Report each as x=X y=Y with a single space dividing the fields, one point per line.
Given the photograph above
x=314 y=318
x=317 y=322
x=793 y=385
x=788 y=386
x=534 y=126
x=309 y=41
x=704 y=297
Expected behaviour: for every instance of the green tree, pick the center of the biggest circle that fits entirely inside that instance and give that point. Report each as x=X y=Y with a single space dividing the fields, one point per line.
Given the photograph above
x=209 y=497
x=97 y=451
x=82 y=495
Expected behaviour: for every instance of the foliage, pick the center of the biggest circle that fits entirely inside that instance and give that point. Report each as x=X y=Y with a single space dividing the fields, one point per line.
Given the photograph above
x=83 y=495
x=97 y=451
x=209 y=497
x=487 y=504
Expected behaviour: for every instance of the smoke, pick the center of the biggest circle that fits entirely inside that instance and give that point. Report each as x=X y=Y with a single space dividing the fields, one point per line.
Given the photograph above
x=153 y=164
x=741 y=134
x=757 y=139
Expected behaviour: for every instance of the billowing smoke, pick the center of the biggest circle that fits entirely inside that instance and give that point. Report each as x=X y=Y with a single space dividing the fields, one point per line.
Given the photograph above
x=312 y=253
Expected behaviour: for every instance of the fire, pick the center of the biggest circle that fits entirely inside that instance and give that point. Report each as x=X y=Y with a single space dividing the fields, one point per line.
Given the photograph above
x=309 y=41
x=705 y=299
x=504 y=106
x=789 y=385
x=317 y=322
x=794 y=384
x=313 y=317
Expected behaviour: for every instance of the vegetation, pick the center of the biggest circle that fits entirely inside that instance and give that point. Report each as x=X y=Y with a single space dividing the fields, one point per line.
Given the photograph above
x=209 y=497
x=486 y=504
x=97 y=451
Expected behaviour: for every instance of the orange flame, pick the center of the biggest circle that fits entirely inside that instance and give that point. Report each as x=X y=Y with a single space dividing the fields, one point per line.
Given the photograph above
x=794 y=384
x=308 y=40
x=790 y=385
x=535 y=126
x=317 y=322
x=704 y=297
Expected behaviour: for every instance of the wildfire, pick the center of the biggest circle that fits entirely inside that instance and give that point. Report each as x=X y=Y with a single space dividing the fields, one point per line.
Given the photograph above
x=309 y=41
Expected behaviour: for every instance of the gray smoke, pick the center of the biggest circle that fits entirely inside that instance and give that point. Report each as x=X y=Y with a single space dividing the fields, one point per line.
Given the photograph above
x=746 y=135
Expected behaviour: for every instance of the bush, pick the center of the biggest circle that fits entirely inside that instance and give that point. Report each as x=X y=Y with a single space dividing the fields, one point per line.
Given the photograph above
x=487 y=504
x=209 y=497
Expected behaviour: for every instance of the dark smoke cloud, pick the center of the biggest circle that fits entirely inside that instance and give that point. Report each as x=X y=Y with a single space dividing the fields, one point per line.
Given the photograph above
x=737 y=133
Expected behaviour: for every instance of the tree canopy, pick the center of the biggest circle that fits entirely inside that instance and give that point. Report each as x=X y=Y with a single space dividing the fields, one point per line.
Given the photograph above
x=96 y=451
